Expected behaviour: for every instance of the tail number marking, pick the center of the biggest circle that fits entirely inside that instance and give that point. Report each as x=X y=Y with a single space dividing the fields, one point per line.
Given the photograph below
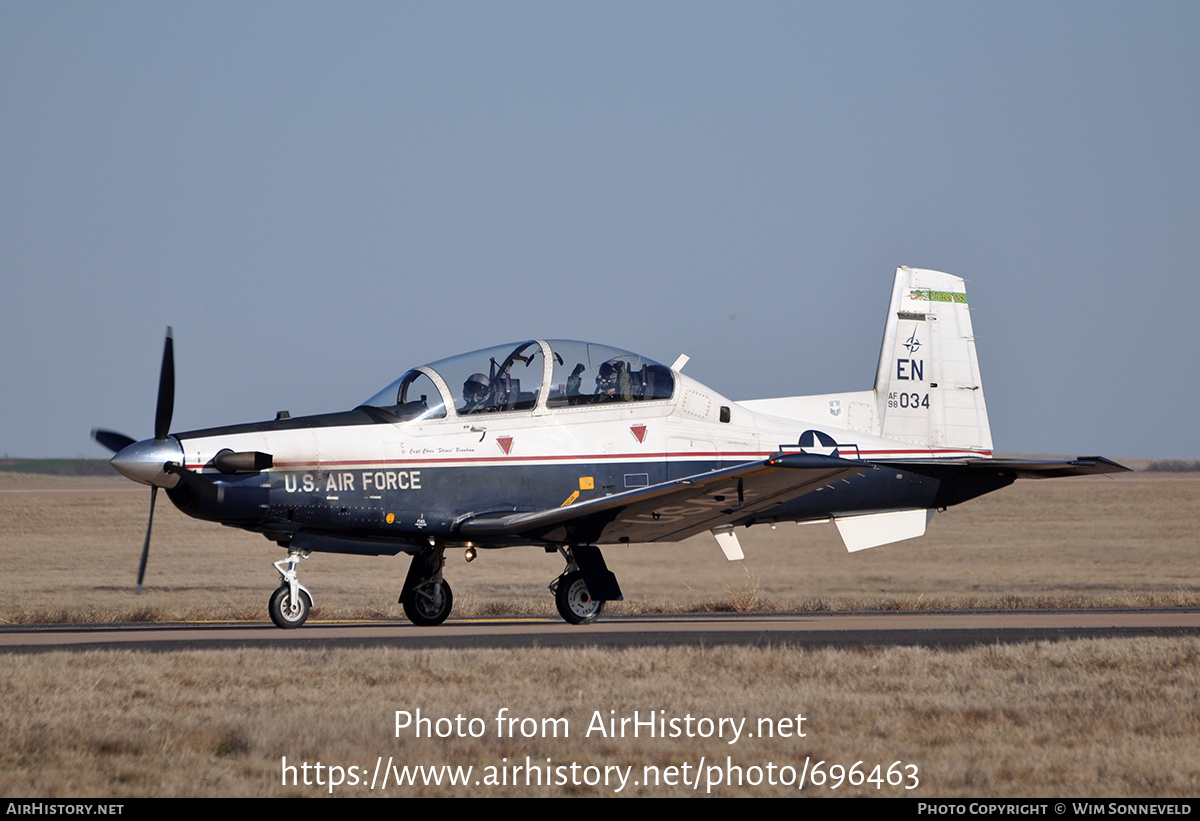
x=908 y=400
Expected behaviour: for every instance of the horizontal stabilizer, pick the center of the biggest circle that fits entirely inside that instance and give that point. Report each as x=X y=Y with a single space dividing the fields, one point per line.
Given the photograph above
x=1018 y=468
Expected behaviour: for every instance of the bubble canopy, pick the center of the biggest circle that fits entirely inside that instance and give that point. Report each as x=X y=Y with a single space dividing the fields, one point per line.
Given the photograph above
x=523 y=376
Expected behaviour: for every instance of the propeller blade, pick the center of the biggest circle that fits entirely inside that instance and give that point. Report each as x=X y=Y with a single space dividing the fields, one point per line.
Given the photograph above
x=146 y=545
x=166 y=389
x=116 y=442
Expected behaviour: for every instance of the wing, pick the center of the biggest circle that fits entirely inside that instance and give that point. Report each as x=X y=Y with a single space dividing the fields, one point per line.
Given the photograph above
x=672 y=510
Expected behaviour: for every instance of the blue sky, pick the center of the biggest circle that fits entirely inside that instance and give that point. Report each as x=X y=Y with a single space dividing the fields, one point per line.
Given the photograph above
x=318 y=197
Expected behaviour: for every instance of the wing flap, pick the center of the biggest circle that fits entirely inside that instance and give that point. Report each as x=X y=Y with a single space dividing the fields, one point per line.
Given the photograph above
x=673 y=510
x=864 y=531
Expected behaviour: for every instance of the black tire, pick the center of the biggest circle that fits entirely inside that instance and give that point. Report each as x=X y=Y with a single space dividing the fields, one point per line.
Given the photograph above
x=428 y=605
x=282 y=612
x=575 y=604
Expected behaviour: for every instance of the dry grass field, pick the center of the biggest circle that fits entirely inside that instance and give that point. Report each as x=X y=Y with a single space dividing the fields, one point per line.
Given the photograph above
x=71 y=547
x=1075 y=718
x=1068 y=719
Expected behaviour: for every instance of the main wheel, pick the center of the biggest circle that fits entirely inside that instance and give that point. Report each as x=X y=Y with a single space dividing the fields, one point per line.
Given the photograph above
x=574 y=602
x=286 y=613
x=428 y=605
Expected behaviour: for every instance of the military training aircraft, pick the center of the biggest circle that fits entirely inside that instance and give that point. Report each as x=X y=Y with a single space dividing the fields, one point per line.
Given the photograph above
x=572 y=445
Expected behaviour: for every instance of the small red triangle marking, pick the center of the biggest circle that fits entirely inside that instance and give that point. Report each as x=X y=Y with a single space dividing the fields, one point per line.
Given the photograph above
x=638 y=431
x=505 y=443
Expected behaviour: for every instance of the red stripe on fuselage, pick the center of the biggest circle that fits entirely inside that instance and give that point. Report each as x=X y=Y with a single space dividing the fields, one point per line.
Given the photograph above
x=602 y=457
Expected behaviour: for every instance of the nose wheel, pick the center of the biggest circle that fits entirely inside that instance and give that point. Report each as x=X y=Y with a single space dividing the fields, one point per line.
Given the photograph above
x=291 y=602
x=288 y=612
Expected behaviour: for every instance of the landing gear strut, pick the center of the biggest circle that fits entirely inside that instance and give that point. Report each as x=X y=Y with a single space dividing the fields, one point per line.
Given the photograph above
x=291 y=602
x=426 y=598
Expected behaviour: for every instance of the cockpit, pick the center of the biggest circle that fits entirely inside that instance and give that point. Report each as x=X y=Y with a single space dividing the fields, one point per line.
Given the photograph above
x=523 y=377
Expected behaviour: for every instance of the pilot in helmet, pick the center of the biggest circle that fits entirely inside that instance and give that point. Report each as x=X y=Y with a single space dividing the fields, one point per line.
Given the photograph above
x=475 y=393
x=606 y=379
x=613 y=380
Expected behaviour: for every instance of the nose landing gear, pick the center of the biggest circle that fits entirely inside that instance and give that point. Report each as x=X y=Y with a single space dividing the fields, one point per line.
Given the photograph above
x=291 y=602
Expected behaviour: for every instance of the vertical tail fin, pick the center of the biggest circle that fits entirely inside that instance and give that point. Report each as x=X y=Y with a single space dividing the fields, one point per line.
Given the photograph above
x=927 y=386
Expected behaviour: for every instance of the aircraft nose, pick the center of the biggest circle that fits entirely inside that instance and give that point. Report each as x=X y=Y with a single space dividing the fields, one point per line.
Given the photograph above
x=143 y=461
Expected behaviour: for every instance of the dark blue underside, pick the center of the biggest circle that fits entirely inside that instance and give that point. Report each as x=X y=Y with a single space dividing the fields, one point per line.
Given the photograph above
x=426 y=503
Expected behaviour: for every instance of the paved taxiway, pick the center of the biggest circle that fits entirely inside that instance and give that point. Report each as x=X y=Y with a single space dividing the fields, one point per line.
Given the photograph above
x=808 y=630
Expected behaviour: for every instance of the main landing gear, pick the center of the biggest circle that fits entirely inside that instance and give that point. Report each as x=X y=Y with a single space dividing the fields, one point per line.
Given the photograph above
x=575 y=604
x=584 y=586
x=290 y=604
x=426 y=597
